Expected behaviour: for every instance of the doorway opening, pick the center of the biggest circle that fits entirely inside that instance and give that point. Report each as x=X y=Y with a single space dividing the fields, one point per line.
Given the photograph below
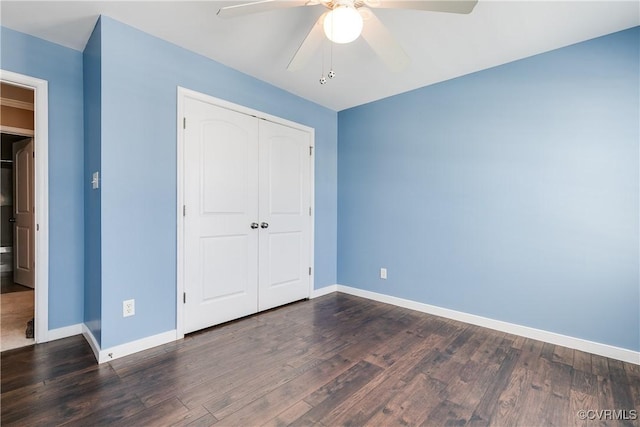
x=17 y=216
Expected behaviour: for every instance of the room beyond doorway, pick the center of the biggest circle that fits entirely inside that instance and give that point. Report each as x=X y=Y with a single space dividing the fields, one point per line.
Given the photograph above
x=17 y=216
x=24 y=103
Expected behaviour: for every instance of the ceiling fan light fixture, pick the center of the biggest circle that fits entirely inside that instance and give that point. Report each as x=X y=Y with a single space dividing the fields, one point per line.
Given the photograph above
x=343 y=24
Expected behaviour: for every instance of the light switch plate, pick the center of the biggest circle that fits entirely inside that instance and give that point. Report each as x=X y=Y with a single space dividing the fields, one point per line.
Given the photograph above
x=95 y=180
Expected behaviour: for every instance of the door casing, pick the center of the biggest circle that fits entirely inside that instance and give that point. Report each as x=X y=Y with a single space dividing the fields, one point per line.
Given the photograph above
x=41 y=191
x=182 y=94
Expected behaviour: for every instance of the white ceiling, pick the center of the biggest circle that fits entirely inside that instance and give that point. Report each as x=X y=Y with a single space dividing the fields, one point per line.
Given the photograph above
x=441 y=45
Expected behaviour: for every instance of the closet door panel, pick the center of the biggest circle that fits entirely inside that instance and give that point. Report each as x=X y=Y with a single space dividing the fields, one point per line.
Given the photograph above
x=221 y=203
x=284 y=209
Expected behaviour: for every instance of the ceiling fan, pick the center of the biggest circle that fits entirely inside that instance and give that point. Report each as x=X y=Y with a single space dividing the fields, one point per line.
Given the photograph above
x=346 y=20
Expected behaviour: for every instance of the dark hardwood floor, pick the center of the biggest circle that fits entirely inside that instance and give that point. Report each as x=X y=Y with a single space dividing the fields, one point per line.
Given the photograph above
x=333 y=361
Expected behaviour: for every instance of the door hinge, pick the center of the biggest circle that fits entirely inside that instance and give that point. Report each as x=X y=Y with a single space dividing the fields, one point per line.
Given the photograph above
x=309 y=210
x=37 y=227
x=311 y=150
x=184 y=123
x=184 y=210
x=309 y=271
x=184 y=297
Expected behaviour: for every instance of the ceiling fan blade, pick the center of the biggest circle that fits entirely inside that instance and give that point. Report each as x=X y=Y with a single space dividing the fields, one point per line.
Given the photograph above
x=259 y=6
x=382 y=42
x=451 y=6
x=309 y=46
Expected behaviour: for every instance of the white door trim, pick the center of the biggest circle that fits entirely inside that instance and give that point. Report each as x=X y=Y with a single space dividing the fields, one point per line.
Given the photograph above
x=41 y=148
x=182 y=94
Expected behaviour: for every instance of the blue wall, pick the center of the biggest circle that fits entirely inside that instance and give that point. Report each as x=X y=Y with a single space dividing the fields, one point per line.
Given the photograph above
x=62 y=68
x=92 y=162
x=511 y=193
x=140 y=75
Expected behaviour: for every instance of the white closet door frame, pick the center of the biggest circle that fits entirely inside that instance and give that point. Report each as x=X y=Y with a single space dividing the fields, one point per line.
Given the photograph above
x=182 y=94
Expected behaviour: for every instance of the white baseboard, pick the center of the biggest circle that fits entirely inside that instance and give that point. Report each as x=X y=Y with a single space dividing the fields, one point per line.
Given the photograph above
x=324 y=291
x=64 y=332
x=126 y=349
x=93 y=343
x=605 y=350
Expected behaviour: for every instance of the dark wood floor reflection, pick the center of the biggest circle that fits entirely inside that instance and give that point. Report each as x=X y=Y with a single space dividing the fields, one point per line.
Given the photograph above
x=336 y=360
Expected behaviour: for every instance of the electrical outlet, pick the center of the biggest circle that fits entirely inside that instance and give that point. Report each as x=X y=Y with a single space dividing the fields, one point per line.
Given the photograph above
x=128 y=308
x=383 y=273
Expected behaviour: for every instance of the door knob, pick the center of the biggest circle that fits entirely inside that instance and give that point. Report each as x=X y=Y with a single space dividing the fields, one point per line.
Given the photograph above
x=264 y=225
x=14 y=220
x=254 y=225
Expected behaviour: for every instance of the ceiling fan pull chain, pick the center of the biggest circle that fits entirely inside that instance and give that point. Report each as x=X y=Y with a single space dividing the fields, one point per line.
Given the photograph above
x=332 y=73
x=323 y=79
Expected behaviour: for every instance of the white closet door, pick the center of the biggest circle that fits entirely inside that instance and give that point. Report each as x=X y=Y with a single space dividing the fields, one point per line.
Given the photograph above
x=284 y=215
x=221 y=200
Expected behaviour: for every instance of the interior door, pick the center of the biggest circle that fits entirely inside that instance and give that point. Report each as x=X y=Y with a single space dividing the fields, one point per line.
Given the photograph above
x=221 y=207
x=23 y=214
x=285 y=219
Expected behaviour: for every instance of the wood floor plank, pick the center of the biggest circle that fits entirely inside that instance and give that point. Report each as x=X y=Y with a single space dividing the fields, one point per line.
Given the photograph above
x=344 y=384
x=327 y=397
x=582 y=361
x=548 y=398
x=168 y=412
x=584 y=382
x=333 y=361
x=266 y=356
x=530 y=353
x=227 y=376
x=104 y=414
x=27 y=370
x=547 y=351
x=599 y=365
x=365 y=403
x=434 y=360
x=321 y=349
x=518 y=343
x=489 y=346
x=512 y=398
x=635 y=392
x=468 y=348
x=633 y=370
x=579 y=402
x=234 y=387
x=206 y=420
x=411 y=404
x=623 y=398
x=488 y=404
x=371 y=398
x=289 y=415
x=605 y=393
x=394 y=348
x=533 y=411
x=563 y=355
x=447 y=413
x=274 y=402
x=74 y=397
